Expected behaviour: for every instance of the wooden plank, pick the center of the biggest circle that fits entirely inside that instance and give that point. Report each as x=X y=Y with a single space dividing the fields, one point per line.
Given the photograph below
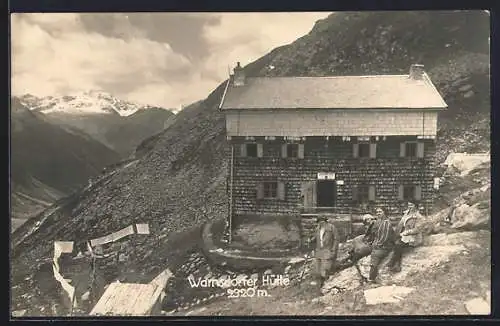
x=112 y=291
x=145 y=292
x=133 y=304
x=102 y=302
x=120 y=305
x=127 y=299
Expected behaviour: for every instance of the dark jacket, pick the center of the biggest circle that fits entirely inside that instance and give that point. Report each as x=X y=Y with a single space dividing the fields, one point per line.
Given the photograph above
x=329 y=248
x=382 y=234
x=368 y=237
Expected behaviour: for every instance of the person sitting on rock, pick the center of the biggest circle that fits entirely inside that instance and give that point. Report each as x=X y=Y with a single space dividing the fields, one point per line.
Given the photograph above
x=325 y=254
x=382 y=244
x=406 y=236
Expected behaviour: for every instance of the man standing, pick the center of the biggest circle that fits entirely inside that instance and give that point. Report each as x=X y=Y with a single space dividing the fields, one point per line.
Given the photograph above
x=406 y=236
x=325 y=254
x=382 y=234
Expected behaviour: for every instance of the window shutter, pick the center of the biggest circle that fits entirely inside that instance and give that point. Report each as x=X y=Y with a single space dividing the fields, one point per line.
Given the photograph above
x=306 y=194
x=314 y=190
x=260 y=150
x=260 y=190
x=283 y=150
x=420 y=149
x=401 y=192
x=402 y=150
x=301 y=151
x=243 y=151
x=373 y=150
x=354 y=193
x=355 y=150
x=418 y=192
x=281 y=190
x=371 y=193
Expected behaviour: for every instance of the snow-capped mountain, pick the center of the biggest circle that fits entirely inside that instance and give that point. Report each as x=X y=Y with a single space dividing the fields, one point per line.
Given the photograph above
x=84 y=103
x=118 y=124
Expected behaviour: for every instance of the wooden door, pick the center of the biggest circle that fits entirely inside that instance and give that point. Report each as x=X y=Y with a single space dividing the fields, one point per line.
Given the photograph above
x=309 y=194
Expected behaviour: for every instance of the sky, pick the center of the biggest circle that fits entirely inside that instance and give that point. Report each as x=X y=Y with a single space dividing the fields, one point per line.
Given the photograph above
x=162 y=59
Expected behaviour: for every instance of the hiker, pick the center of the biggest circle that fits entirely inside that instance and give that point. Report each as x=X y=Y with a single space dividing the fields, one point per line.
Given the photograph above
x=361 y=245
x=325 y=254
x=382 y=234
x=406 y=236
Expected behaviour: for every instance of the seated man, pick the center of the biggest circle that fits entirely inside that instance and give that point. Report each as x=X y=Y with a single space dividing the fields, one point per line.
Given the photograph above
x=406 y=236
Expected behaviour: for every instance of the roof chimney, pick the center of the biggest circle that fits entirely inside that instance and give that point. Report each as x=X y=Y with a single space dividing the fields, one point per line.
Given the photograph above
x=416 y=71
x=239 y=75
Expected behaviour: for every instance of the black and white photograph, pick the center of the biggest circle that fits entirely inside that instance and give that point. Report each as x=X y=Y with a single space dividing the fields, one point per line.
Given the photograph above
x=184 y=164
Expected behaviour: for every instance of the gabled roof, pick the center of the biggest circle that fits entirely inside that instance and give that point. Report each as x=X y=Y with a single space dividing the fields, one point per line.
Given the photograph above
x=339 y=92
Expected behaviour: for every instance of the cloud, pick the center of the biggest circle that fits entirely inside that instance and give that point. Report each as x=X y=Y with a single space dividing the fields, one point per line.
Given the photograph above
x=164 y=59
x=253 y=35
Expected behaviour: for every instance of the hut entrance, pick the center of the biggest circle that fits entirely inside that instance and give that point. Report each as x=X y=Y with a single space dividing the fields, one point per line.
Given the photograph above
x=327 y=193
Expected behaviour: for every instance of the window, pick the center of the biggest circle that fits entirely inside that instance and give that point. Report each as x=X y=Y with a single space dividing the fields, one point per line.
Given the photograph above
x=412 y=149
x=271 y=190
x=251 y=150
x=364 y=150
x=363 y=193
x=410 y=192
x=292 y=150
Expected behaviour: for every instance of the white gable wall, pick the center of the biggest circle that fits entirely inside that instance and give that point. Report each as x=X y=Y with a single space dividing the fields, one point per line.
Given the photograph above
x=309 y=122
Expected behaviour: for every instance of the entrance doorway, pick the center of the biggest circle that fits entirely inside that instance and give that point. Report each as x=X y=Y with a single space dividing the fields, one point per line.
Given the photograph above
x=327 y=193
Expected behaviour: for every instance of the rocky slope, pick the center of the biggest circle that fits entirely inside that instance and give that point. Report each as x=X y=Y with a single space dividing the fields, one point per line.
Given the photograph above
x=118 y=124
x=179 y=180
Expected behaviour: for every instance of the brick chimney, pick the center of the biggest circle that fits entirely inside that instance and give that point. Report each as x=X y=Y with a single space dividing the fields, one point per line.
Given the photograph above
x=239 y=75
x=416 y=71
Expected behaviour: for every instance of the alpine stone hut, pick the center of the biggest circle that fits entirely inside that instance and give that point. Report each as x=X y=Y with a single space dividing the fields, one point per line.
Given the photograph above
x=301 y=146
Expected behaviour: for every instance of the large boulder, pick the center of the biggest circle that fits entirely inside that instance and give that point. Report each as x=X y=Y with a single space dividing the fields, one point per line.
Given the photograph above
x=465 y=162
x=433 y=223
x=471 y=217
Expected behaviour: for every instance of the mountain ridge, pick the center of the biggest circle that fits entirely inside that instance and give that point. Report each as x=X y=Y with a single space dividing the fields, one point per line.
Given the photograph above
x=86 y=102
x=47 y=162
x=117 y=124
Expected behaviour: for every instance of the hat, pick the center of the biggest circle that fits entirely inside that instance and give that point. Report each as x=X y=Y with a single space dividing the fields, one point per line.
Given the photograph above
x=411 y=204
x=368 y=217
x=321 y=218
